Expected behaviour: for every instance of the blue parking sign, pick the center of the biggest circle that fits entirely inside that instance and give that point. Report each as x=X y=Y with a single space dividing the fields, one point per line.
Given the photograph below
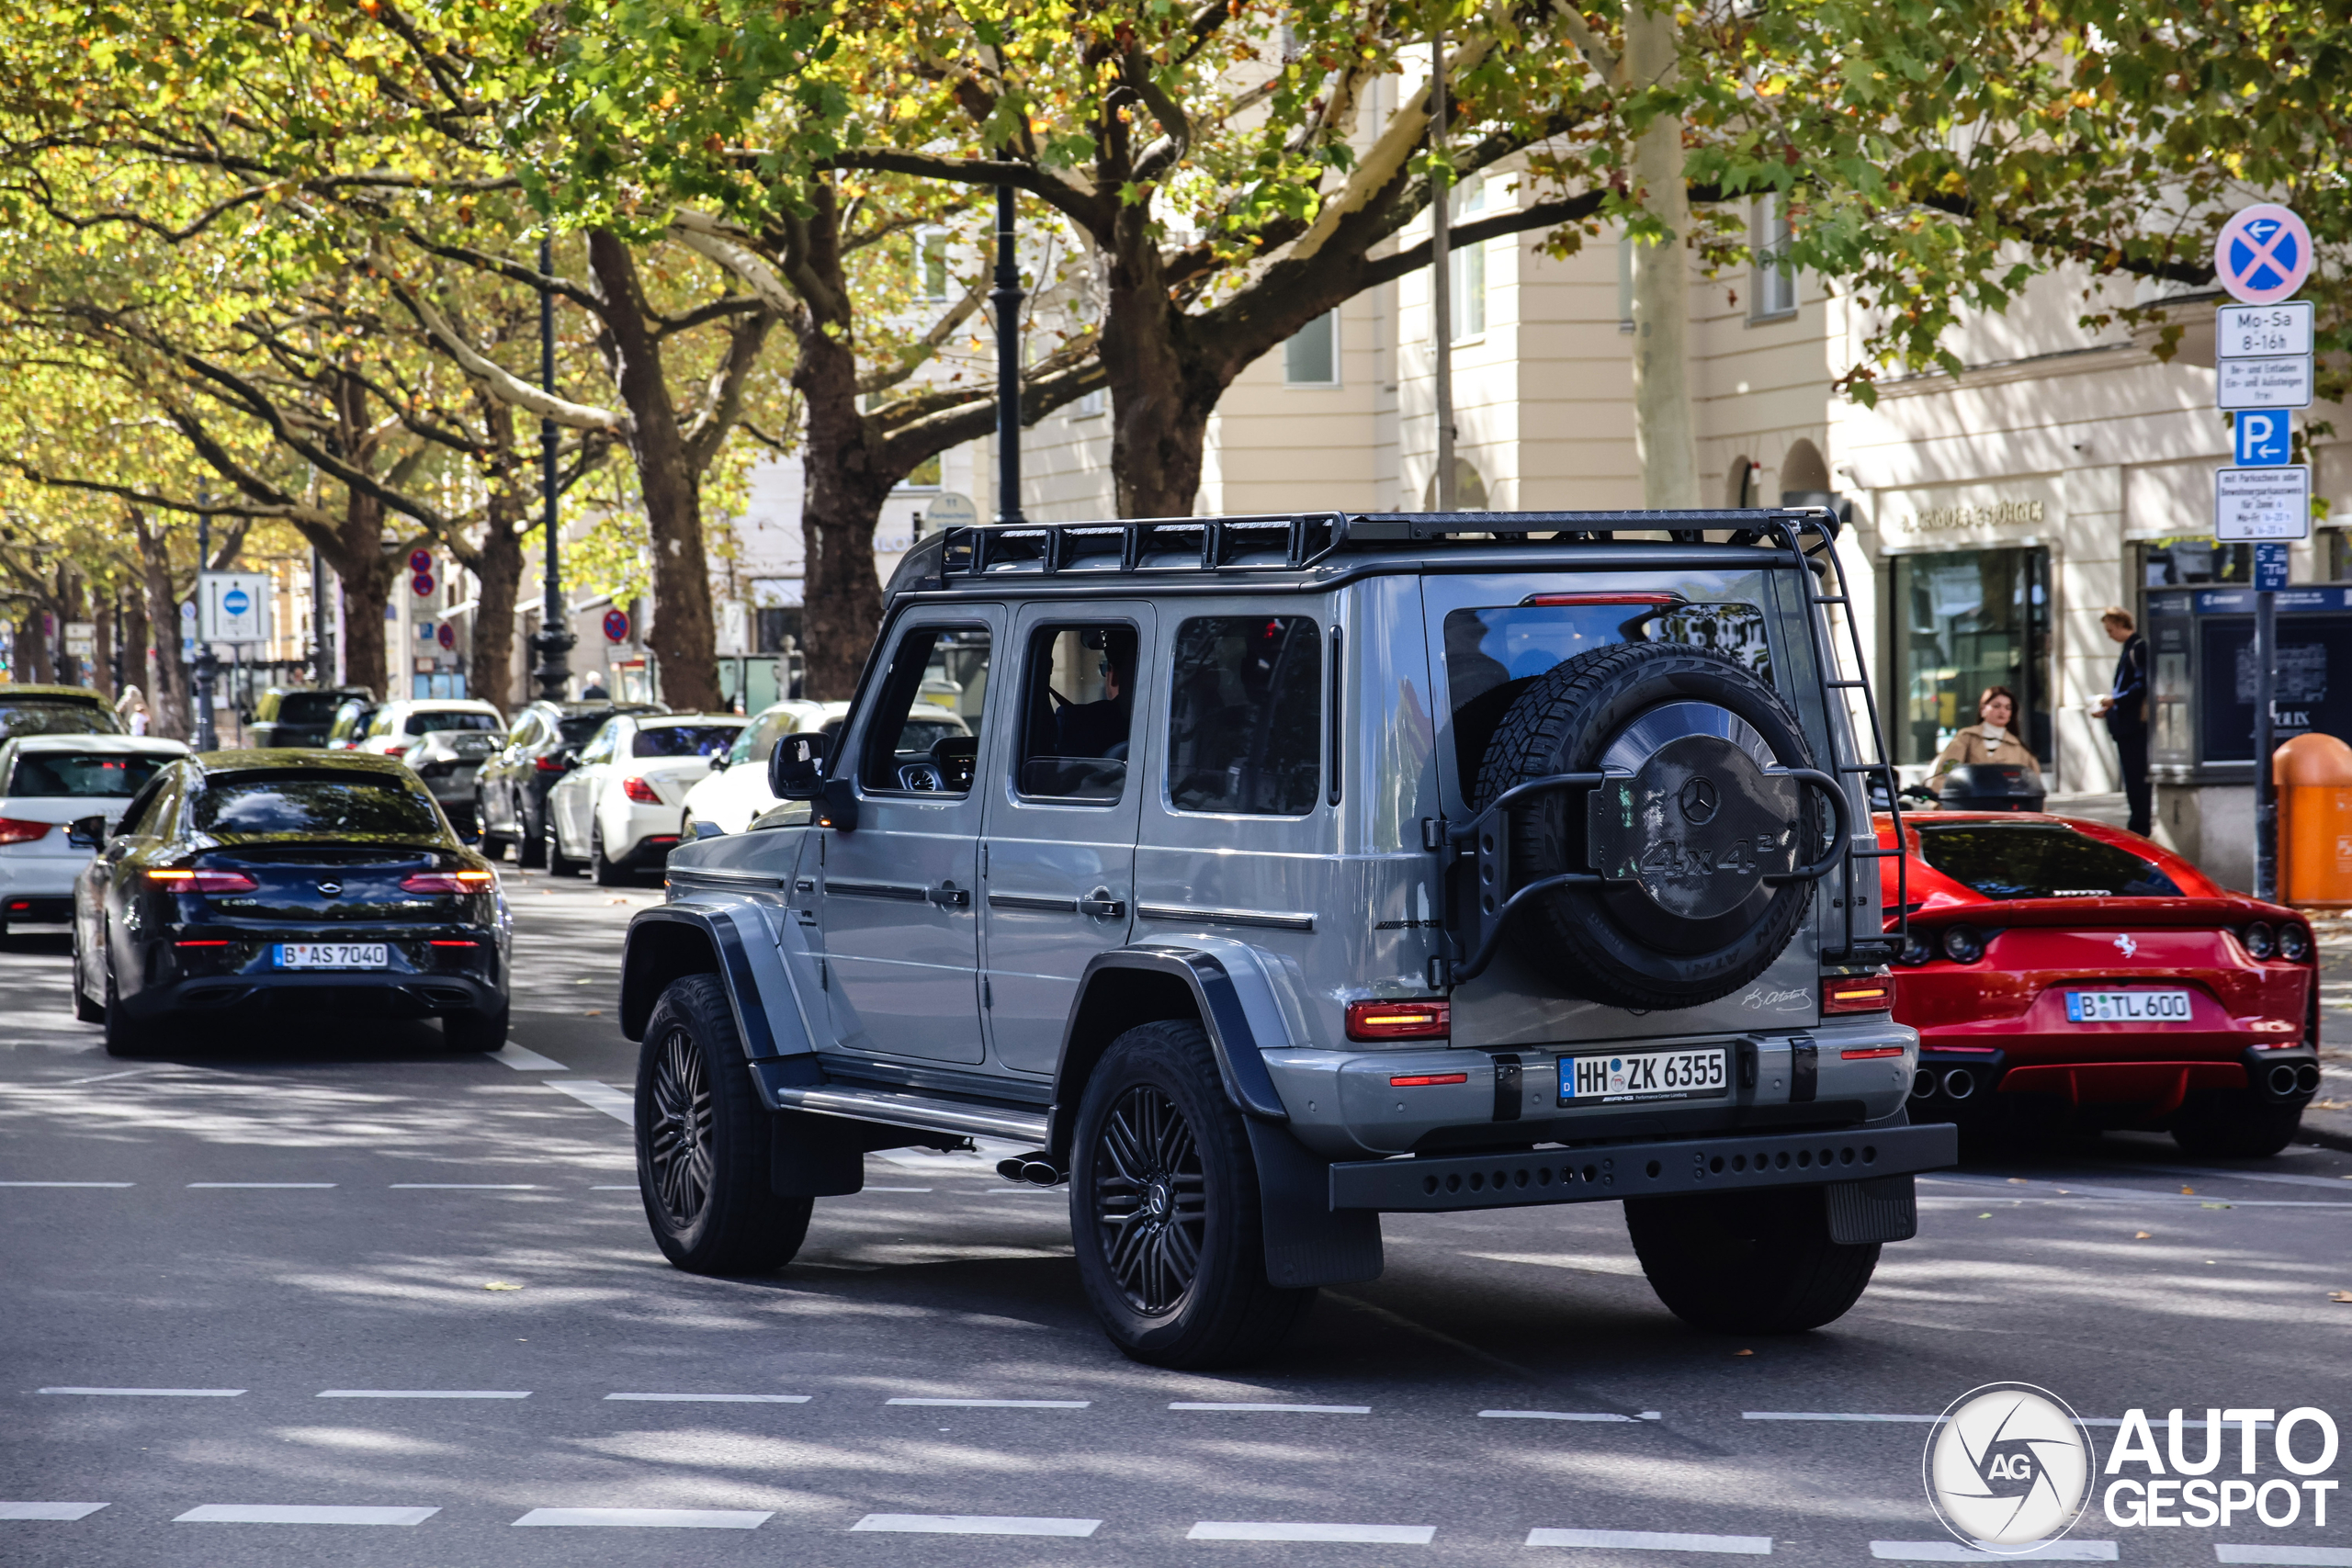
x=2262 y=437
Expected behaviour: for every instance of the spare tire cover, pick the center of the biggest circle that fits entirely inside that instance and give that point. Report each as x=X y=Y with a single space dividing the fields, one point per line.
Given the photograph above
x=1694 y=817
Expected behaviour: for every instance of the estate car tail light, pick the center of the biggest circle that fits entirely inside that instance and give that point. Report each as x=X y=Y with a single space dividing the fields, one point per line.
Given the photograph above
x=1962 y=945
x=446 y=882
x=182 y=879
x=16 y=831
x=1873 y=992
x=1399 y=1021
x=2294 y=944
x=640 y=792
x=2259 y=943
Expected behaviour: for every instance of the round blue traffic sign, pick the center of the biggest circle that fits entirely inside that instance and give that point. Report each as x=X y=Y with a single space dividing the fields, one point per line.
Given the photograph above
x=2263 y=253
x=236 y=600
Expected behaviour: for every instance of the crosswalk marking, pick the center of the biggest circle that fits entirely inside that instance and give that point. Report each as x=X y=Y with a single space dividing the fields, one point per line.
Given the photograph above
x=63 y=1512
x=649 y=1519
x=618 y=1104
x=301 y=1514
x=1392 y=1535
x=976 y=1524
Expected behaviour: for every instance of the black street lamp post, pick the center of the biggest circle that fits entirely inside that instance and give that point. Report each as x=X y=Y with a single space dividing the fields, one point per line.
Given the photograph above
x=554 y=639
x=1006 y=298
x=207 y=738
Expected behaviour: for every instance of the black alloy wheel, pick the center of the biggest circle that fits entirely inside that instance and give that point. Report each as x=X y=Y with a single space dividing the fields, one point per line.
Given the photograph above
x=126 y=1036
x=559 y=863
x=608 y=872
x=703 y=1142
x=1148 y=1199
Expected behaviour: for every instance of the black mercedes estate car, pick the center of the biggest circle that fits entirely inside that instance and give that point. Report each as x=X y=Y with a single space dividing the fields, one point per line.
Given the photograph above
x=317 y=881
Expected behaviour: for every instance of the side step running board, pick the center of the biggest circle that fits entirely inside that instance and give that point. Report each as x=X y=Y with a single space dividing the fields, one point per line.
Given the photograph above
x=896 y=1110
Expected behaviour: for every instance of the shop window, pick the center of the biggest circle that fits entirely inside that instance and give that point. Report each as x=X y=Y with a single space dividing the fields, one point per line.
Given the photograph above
x=1966 y=620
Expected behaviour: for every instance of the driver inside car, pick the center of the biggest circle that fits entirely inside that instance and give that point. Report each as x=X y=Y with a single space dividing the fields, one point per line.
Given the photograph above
x=1099 y=728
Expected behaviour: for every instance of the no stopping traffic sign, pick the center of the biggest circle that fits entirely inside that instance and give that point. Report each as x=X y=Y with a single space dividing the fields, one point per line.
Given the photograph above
x=2263 y=253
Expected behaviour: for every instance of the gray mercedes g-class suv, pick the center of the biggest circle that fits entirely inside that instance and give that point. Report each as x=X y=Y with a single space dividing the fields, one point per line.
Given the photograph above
x=1286 y=871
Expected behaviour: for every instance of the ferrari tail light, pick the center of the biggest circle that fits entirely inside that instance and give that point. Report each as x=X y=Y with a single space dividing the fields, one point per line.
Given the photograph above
x=1422 y=1019
x=640 y=792
x=446 y=882
x=2294 y=944
x=1962 y=945
x=1917 y=948
x=2259 y=940
x=1873 y=992
x=16 y=831
x=181 y=879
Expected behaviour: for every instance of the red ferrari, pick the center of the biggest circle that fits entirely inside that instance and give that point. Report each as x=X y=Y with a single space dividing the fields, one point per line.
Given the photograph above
x=2065 y=974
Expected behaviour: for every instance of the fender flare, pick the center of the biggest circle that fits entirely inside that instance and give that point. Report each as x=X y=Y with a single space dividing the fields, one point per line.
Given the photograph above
x=745 y=960
x=1237 y=1029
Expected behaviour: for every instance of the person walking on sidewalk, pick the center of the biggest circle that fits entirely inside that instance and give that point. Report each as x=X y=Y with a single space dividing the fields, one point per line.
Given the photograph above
x=2125 y=709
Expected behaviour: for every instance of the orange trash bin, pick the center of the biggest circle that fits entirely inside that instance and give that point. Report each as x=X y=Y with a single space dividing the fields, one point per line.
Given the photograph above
x=2312 y=774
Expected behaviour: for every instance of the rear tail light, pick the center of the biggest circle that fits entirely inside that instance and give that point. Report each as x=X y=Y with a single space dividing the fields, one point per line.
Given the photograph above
x=549 y=765
x=183 y=880
x=1917 y=948
x=1858 y=993
x=640 y=792
x=2294 y=944
x=1870 y=1053
x=400 y=749
x=1401 y=1021
x=2258 y=939
x=446 y=882
x=14 y=831
x=1962 y=945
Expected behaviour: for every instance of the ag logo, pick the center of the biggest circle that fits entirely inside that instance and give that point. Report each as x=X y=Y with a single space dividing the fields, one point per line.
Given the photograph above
x=2008 y=1468
x=1701 y=800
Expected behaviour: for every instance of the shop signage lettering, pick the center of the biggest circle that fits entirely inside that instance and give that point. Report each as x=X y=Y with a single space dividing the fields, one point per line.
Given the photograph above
x=1999 y=515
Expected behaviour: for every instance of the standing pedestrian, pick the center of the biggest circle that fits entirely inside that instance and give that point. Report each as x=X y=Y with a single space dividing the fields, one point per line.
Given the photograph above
x=2125 y=709
x=132 y=709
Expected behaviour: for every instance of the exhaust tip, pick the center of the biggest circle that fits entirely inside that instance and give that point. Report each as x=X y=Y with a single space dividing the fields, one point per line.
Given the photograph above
x=2307 y=1078
x=2283 y=1079
x=1960 y=1083
x=1923 y=1084
x=1034 y=1169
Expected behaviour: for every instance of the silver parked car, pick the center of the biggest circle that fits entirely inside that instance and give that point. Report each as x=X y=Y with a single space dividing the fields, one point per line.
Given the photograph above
x=1286 y=872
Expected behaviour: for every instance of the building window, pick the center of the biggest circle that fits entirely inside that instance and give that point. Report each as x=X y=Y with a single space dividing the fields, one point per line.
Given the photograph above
x=1467 y=276
x=1966 y=620
x=931 y=263
x=1772 y=282
x=1311 y=357
x=924 y=475
x=1093 y=404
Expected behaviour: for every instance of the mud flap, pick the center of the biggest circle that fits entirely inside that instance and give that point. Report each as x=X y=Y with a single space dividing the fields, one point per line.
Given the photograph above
x=1307 y=1242
x=1882 y=1209
x=824 y=1157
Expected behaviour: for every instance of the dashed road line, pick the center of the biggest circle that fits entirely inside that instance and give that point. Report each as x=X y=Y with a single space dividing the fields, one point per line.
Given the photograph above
x=68 y=1184
x=153 y=1393
x=1825 y=1416
x=1000 y=1404
x=976 y=1524
x=649 y=1519
x=1567 y=1415
x=895 y=1189
x=1274 y=1409
x=2268 y=1556
x=1952 y=1551
x=1391 y=1535
x=284 y=1186
x=715 y=1398
x=301 y=1514
x=60 y=1512
x=1653 y=1540
x=464 y=1187
x=617 y=1187
x=423 y=1393
x=618 y=1104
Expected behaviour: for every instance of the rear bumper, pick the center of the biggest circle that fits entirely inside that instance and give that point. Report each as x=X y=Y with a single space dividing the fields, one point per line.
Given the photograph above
x=21 y=906
x=1663 y=1169
x=366 y=992
x=422 y=979
x=1958 y=1085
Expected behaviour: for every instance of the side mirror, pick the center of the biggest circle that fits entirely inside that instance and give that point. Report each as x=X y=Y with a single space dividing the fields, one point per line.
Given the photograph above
x=87 y=833
x=797 y=767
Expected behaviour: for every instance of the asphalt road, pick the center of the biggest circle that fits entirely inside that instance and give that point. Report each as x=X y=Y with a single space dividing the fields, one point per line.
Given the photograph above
x=334 y=1269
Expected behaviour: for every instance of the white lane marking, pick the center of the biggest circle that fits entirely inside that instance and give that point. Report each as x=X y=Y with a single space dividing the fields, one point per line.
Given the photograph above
x=296 y=1186
x=1823 y=1415
x=422 y=1393
x=68 y=1184
x=108 y=1078
x=2269 y=1556
x=716 y=1398
x=463 y=1187
x=1393 y=1535
x=300 y=1514
x=1564 y=1415
x=974 y=1524
x=651 y=1518
x=1655 y=1540
x=524 y=1060
x=155 y=1393
x=895 y=1190
x=60 y=1511
x=1288 y=1409
x=623 y=1187
x=618 y=1104
x=1952 y=1551
x=1002 y=1403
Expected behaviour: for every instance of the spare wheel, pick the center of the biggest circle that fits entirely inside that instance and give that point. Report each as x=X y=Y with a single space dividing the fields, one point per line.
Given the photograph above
x=1692 y=834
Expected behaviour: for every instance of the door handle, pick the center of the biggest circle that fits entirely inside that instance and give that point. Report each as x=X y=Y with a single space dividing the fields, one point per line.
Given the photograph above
x=1101 y=905
x=947 y=895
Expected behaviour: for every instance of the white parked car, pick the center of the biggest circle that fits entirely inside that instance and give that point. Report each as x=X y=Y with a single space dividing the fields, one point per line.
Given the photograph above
x=620 y=807
x=737 y=791
x=445 y=740
x=46 y=782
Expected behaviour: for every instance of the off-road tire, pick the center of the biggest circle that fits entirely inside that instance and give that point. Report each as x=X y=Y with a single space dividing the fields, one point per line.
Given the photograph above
x=1562 y=721
x=703 y=1142
x=2235 y=1125
x=1225 y=1313
x=475 y=1030
x=607 y=872
x=1755 y=1262
x=126 y=1036
x=559 y=863
x=530 y=843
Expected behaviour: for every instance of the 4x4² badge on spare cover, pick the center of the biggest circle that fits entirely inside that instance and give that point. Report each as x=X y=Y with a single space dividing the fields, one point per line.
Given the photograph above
x=1696 y=828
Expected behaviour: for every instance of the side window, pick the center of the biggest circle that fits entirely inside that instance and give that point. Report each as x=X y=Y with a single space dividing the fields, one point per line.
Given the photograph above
x=151 y=808
x=925 y=732
x=1078 y=712
x=380 y=723
x=1245 y=715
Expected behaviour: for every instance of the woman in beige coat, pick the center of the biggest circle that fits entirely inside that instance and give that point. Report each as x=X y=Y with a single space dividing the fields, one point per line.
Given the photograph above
x=1989 y=741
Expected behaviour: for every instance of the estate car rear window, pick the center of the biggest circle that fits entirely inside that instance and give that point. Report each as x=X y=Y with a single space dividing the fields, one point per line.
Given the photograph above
x=684 y=741
x=427 y=721
x=1245 y=715
x=39 y=717
x=316 y=805
x=2039 y=859
x=97 y=776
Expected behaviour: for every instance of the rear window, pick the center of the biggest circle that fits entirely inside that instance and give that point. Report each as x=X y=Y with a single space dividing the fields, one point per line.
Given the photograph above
x=309 y=708
x=577 y=732
x=50 y=717
x=2039 y=859
x=427 y=721
x=317 y=805
x=684 y=741
x=94 y=775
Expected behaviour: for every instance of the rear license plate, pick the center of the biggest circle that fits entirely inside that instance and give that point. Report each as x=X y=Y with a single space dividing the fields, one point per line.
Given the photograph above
x=2127 y=1007
x=1645 y=1076
x=333 y=955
